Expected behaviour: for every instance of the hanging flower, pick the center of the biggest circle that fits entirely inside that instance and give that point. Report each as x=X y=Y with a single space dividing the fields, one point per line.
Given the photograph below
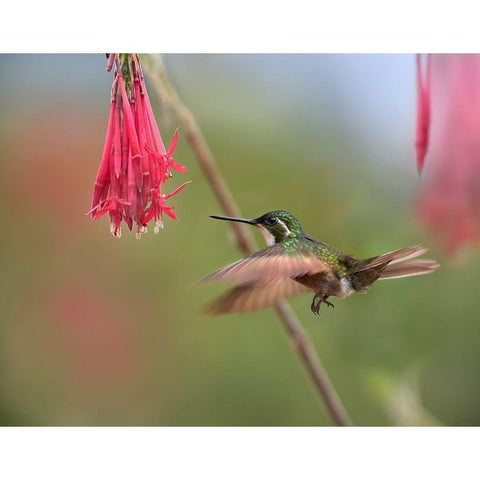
x=423 y=111
x=450 y=198
x=135 y=163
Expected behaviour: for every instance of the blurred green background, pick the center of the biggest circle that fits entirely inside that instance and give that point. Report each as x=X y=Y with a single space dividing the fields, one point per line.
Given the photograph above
x=101 y=331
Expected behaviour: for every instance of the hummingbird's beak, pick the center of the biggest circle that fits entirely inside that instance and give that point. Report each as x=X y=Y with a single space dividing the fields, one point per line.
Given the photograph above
x=234 y=219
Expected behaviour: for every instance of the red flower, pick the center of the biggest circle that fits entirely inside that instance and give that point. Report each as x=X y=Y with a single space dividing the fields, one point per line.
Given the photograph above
x=423 y=111
x=450 y=200
x=158 y=207
x=134 y=163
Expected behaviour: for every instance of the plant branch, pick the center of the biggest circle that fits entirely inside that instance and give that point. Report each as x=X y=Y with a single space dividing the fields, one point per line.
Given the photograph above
x=244 y=239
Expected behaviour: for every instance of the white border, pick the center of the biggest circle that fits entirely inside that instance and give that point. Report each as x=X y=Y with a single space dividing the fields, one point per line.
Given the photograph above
x=248 y=26
x=239 y=453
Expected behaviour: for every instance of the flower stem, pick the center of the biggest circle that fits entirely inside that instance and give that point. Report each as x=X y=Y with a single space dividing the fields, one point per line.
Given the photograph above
x=304 y=346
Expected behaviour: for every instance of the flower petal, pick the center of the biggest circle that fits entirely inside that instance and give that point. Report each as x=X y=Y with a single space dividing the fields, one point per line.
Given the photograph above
x=176 y=166
x=423 y=112
x=173 y=145
x=181 y=187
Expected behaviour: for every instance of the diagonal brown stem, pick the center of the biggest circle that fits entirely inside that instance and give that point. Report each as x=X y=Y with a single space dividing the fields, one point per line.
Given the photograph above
x=245 y=242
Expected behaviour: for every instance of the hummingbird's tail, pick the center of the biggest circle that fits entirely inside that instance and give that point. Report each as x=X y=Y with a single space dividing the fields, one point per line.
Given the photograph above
x=410 y=268
x=397 y=264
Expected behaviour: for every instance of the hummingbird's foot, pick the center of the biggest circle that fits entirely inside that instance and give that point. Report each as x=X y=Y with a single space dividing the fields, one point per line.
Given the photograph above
x=330 y=304
x=317 y=301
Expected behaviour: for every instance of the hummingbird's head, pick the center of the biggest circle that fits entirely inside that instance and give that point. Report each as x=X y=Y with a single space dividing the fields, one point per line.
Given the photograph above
x=275 y=226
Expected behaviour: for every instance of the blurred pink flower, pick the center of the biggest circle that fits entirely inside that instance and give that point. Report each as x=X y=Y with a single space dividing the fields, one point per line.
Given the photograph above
x=135 y=162
x=449 y=203
x=423 y=111
x=95 y=332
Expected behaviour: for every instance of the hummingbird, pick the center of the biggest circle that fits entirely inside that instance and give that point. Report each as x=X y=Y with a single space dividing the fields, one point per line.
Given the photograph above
x=294 y=263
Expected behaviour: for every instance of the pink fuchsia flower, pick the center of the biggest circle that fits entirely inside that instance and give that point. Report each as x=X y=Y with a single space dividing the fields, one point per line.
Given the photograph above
x=135 y=163
x=423 y=111
x=449 y=203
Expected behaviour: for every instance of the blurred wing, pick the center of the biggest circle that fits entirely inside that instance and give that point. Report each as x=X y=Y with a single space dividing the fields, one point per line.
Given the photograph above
x=269 y=265
x=248 y=298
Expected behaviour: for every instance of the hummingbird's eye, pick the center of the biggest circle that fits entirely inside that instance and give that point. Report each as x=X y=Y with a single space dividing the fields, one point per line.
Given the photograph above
x=271 y=221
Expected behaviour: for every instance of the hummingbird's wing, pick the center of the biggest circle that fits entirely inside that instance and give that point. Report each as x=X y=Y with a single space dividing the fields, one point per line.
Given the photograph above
x=249 y=298
x=270 y=265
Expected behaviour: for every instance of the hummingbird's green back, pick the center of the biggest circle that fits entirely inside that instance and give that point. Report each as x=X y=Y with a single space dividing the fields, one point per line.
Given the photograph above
x=339 y=262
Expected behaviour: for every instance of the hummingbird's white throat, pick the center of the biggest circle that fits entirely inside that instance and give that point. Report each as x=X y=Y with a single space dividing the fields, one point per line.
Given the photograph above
x=269 y=238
